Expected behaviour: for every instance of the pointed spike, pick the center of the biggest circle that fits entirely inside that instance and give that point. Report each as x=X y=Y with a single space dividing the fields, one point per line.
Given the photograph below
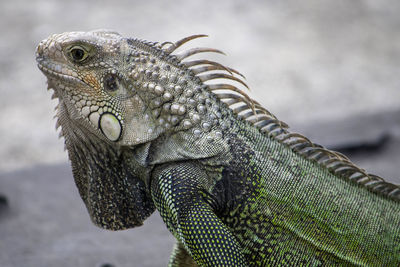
x=380 y=187
x=258 y=106
x=166 y=43
x=344 y=171
x=355 y=176
x=225 y=86
x=193 y=51
x=273 y=129
x=240 y=98
x=261 y=124
x=182 y=41
x=199 y=70
x=343 y=168
x=376 y=177
x=299 y=146
x=295 y=142
x=232 y=101
x=364 y=179
x=395 y=191
x=58 y=124
x=241 y=108
x=229 y=95
x=316 y=156
x=389 y=190
x=278 y=130
x=321 y=157
x=258 y=117
x=250 y=113
x=330 y=161
x=283 y=138
x=200 y=62
x=300 y=136
x=213 y=63
x=340 y=155
x=333 y=164
x=212 y=76
x=314 y=153
x=267 y=126
x=246 y=115
x=266 y=112
x=283 y=124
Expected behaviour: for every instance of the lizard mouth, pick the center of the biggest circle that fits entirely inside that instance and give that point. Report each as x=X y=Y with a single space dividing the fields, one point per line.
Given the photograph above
x=52 y=70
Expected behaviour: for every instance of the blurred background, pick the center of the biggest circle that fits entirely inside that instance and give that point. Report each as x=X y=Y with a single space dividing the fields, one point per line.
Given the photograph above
x=330 y=69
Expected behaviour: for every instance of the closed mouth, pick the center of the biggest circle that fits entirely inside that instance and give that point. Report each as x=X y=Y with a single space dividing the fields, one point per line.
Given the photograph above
x=56 y=71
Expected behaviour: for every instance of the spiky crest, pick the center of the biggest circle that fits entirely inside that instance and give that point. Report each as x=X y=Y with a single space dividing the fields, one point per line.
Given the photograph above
x=250 y=110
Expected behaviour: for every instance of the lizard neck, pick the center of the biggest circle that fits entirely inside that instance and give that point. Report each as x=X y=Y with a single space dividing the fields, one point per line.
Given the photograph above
x=110 y=180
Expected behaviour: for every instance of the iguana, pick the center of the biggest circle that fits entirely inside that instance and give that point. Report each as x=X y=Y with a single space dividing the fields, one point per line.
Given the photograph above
x=146 y=128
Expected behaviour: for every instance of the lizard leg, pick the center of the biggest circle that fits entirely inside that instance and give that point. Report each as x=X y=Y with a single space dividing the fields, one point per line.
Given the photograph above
x=179 y=194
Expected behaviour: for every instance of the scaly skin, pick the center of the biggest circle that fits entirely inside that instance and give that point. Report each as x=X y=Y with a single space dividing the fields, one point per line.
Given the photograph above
x=144 y=131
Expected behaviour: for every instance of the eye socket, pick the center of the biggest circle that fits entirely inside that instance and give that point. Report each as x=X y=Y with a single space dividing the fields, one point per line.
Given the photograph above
x=111 y=83
x=78 y=54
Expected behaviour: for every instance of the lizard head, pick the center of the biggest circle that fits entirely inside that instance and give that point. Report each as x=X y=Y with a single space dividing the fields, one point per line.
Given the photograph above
x=90 y=75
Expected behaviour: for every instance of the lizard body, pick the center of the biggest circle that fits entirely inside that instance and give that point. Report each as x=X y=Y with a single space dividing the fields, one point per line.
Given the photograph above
x=145 y=129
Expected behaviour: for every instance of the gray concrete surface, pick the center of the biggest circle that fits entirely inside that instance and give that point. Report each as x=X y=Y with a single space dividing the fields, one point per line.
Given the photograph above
x=328 y=68
x=46 y=224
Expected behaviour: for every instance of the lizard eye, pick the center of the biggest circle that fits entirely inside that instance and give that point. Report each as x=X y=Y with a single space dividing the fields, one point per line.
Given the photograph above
x=111 y=83
x=78 y=54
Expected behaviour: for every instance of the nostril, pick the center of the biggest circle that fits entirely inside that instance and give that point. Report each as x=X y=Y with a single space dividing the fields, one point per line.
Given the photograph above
x=39 y=49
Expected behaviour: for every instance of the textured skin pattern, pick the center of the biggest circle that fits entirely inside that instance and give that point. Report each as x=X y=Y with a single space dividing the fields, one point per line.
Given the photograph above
x=143 y=132
x=190 y=217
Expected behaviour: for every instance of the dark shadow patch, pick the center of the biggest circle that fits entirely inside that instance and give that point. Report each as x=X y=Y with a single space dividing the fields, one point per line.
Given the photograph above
x=371 y=146
x=3 y=205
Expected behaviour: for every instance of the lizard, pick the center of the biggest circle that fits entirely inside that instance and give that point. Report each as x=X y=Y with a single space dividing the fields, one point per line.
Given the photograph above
x=148 y=129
